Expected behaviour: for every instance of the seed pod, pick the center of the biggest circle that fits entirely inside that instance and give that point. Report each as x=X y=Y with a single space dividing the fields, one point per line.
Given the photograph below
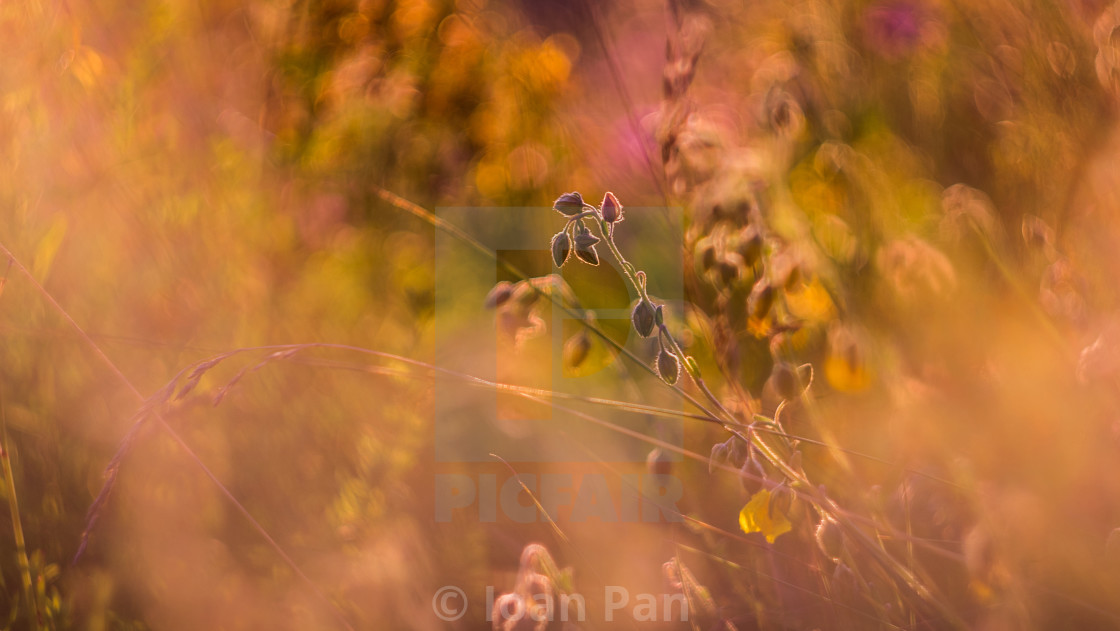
x=728 y=271
x=588 y=255
x=752 y=477
x=643 y=318
x=750 y=245
x=793 y=276
x=830 y=539
x=569 y=204
x=737 y=449
x=668 y=366
x=576 y=350
x=781 y=500
x=658 y=462
x=611 y=209
x=561 y=248
x=499 y=294
x=761 y=299
x=719 y=452
x=706 y=255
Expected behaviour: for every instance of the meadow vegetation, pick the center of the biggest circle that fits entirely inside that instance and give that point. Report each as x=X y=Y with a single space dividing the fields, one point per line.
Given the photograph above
x=858 y=261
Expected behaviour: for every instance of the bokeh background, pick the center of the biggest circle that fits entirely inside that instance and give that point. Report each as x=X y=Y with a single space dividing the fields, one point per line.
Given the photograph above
x=938 y=184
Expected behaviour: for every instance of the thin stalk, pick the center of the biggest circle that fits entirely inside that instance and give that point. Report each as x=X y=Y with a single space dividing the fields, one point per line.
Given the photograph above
x=690 y=367
x=17 y=529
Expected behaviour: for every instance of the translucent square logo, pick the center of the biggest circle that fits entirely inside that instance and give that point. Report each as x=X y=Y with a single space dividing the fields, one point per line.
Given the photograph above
x=528 y=382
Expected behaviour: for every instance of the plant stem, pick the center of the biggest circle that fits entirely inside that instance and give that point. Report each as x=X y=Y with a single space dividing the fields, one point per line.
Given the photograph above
x=690 y=368
x=17 y=529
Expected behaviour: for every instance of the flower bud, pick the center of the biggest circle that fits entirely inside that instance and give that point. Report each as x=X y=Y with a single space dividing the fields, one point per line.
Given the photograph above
x=668 y=366
x=752 y=477
x=719 y=452
x=781 y=500
x=706 y=255
x=584 y=239
x=588 y=255
x=830 y=539
x=658 y=462
x=611 y=209
x=750 y=245
x=576 y=350
x=761 y=299
x=569 y=204
x=499 y=294
x=728 y=271
x=561 y=248
x=643 y=318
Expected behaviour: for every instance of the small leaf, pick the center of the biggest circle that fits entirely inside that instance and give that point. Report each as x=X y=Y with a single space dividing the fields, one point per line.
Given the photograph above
x=756 y=517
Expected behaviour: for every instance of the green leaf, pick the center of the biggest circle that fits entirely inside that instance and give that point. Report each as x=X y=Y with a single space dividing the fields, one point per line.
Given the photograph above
x=756 y=517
